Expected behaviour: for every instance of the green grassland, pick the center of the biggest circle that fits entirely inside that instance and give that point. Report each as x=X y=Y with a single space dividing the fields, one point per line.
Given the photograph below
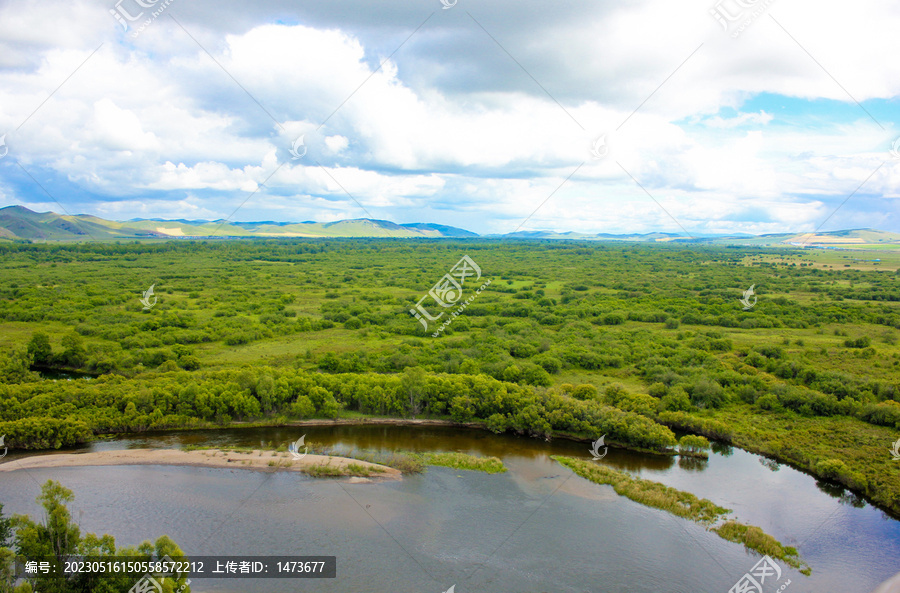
x=575 y=338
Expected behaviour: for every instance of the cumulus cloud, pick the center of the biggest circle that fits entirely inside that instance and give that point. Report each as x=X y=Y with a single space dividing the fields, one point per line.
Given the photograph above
x=475 y=120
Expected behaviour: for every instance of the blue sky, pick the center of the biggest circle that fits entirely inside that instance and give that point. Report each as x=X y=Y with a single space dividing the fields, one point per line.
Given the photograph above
x=481 y=115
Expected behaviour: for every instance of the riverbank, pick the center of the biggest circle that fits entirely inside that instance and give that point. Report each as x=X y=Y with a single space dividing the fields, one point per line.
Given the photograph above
x=738 y=435
x=743 y=431
x=257 y=460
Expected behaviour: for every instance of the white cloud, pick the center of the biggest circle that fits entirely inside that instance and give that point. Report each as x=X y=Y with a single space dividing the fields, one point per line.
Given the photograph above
x=462 y=133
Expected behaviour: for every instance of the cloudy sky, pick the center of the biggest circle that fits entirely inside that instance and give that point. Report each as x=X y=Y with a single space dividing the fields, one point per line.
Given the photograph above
x=590 y=116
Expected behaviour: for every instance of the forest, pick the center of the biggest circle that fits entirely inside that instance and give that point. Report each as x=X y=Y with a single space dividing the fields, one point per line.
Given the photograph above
x=648 y=344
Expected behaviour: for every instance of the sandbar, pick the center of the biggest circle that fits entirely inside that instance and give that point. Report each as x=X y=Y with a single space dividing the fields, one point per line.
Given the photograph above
x=252 y=460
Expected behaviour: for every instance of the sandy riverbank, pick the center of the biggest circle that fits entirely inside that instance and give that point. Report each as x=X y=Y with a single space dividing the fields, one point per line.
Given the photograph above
x=252 y=460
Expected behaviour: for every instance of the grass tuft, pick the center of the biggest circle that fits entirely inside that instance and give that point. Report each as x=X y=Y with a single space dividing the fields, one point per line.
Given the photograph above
x=686 y=505
x=491 y=465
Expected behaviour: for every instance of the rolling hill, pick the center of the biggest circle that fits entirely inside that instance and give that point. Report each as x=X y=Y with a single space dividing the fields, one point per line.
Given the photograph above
x=20 y=223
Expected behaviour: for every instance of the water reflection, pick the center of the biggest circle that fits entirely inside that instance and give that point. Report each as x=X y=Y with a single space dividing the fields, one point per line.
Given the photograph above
x=770 y=464
x=551 y=531
x=840 y=493
x=693 y=464
x=68 y=374
x=723 y=449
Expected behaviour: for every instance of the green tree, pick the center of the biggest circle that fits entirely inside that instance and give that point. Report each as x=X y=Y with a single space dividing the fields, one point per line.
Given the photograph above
x=412 y=388
x=585 y=391
x=6 y=528
x=694 y=445
x=14 y=367
x=73 y=350
x=39 y=348
x=58 y=536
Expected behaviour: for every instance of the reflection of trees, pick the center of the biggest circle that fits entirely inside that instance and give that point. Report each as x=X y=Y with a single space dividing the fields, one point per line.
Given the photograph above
x=723 y=449
x=384 y=438
x=692 y=464
x=627 y=461
x=843 y=495
x=770 y=464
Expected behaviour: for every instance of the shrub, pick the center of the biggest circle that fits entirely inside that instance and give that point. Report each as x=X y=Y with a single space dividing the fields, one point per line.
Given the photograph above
x=713 y=429
x=769 y=402
x=584 y=392
x=747 y=393
x=707 y=394
x=535 y=375
x=497 y=423
x=613 y=319
x=676 y=400
x=832 y=469
x=658 y=389
x=189 y=363
x=694 y=445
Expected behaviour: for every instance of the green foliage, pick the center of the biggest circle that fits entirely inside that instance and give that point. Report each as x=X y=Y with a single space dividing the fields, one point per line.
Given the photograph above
x=58 y=536
x=646 y=492
x=707 y=394
x=6 y=527
x=863 y=342
x=73 y=354
x=713 y=429
x=756 y=539
x=676 y=400
x=585 y=392
x=39 y=349
x=831 y=468
x=42 y=432
x=497 y=423
x=686 y=505
x=490 y=465
x=693 y=445
x=253 y=331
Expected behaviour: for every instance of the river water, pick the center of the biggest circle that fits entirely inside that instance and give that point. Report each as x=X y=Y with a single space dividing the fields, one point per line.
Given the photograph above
x=537 y=528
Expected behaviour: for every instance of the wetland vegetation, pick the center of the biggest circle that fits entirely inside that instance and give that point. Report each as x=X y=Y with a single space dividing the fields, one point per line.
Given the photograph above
x=631 y=341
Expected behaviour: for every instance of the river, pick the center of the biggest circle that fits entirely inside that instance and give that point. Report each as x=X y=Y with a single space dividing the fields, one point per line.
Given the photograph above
x=537 y=528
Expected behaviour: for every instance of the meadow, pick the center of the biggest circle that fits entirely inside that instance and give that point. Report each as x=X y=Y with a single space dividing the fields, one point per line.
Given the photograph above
x=644 y=343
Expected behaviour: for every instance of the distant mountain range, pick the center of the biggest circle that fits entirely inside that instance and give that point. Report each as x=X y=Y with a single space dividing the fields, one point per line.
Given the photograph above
x=20 y=223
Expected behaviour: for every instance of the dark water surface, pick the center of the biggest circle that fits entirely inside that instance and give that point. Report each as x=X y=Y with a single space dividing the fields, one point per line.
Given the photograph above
x=537 y=528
